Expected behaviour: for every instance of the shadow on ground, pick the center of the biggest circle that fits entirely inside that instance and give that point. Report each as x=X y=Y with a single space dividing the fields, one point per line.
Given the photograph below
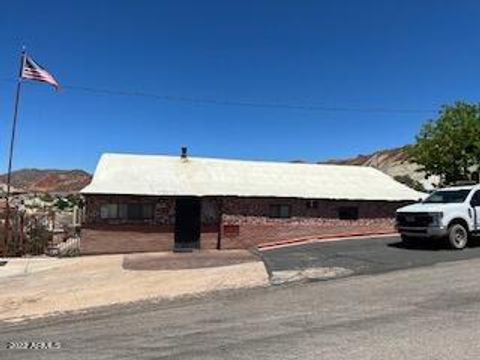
x=190 y=260
x=431 y=245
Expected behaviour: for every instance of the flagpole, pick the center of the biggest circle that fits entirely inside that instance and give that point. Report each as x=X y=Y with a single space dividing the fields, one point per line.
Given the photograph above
x=10 y=154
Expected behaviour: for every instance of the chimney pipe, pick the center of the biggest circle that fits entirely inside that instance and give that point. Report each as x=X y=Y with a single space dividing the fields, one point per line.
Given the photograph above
x=184 y=152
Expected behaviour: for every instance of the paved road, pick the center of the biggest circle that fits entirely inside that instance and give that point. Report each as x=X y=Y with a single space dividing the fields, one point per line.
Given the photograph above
x=430 y=312
x=366 y=256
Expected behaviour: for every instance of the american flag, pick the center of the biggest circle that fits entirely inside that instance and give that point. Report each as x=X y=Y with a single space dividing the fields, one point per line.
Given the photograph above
x=33 y=71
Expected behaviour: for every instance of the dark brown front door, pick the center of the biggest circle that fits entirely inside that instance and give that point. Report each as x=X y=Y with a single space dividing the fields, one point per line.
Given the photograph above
x=187 y=223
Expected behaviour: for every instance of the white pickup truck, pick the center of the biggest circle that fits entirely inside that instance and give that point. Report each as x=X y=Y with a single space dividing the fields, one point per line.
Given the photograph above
x=451 y=213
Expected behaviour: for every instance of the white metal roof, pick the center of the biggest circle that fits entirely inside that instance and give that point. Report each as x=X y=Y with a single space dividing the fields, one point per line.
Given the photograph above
x=173 y=176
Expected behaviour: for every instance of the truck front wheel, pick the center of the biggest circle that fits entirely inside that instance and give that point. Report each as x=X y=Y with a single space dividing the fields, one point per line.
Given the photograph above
x=407 y=241
x=457 y=236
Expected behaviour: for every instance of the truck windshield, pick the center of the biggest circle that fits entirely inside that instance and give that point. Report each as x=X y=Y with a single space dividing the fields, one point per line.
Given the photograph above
x=447 y=196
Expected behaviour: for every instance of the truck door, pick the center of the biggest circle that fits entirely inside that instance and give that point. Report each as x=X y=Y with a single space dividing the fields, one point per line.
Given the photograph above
x=475 y=216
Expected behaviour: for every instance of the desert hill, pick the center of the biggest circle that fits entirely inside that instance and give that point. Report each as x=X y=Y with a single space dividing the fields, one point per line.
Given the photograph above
x=48 y=180
x=394 y=162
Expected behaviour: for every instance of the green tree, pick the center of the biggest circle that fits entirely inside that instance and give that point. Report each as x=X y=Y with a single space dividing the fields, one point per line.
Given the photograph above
x=75 y=200
x=62 y=203
x=407 y=180
x=450 y=145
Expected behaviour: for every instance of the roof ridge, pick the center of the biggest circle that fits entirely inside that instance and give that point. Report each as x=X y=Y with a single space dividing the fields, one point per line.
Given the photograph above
x=255 y=161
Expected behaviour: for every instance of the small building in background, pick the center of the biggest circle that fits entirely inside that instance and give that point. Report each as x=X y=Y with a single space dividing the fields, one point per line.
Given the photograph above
x=156 y=203
x=13 y=190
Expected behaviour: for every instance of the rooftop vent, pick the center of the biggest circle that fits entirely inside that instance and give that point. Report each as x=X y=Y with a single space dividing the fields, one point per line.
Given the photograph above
x=184 y=152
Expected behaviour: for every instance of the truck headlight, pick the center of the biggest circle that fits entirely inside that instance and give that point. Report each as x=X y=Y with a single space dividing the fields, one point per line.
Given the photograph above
x=436 y=218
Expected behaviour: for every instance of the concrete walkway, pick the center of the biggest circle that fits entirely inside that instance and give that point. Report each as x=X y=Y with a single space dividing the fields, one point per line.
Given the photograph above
x=40 y=286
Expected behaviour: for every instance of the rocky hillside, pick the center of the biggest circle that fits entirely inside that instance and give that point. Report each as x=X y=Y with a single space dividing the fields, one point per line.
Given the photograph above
x=52 y=181
x=394 y=162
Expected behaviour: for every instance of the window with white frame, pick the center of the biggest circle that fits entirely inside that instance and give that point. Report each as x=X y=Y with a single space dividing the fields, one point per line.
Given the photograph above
x=139 y=211
x=109 y=211
x=280 y=211
x=126 y=211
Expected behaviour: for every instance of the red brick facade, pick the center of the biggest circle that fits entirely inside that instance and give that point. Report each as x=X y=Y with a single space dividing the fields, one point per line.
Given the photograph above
x=226 y=222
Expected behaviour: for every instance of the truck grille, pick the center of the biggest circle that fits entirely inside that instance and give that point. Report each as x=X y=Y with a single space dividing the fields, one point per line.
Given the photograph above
x=410 y=219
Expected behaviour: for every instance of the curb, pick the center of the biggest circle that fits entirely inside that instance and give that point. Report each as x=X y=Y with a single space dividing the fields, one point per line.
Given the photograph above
x=309 y=274
x=323 y=238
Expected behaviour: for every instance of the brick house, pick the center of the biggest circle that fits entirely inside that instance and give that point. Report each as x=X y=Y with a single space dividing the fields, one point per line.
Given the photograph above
x=155 y=203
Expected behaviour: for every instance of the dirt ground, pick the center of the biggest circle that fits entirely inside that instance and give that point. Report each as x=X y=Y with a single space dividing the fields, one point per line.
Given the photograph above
x=40 y=286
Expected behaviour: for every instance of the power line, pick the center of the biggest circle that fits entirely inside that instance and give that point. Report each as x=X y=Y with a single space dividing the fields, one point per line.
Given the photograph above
x=210 y=101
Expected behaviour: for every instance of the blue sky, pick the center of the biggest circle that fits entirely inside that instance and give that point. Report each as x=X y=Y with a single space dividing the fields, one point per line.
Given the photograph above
x=354 y=55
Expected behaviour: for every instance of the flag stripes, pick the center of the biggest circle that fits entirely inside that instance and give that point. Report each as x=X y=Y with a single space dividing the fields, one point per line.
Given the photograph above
x=33 y=71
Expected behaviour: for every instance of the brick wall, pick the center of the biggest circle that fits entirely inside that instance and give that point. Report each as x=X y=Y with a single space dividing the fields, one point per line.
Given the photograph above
x=246 y=222
x=101 y=236
x=242 y=222
x=121 y=238
x=164 y=209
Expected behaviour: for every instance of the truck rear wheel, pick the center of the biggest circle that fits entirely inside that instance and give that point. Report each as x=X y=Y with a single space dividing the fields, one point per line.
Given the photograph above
x=457 y=236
